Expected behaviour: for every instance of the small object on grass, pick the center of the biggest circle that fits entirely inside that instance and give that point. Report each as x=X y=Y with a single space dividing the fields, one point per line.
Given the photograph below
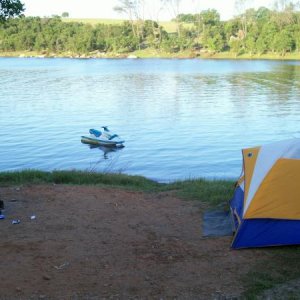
x=16 y=222
x=64 y=265
x=2 y=217
x=46 y=277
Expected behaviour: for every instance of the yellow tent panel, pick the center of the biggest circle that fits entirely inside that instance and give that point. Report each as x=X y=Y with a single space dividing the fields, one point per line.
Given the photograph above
x=249 y=157
x=278 y=196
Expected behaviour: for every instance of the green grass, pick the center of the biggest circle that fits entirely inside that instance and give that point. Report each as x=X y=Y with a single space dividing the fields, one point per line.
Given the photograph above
x=271 y=56
x=273 y=265
x=281 y=266
x=94 y=21
x=169 y=26
x=76 y=177
x=154 y=53
x=212 y=192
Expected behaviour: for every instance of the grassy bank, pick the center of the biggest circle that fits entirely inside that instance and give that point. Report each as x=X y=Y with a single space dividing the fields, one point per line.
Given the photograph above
x=278 y=265
x=212 y=192
x=153 y=53
x=267 y=56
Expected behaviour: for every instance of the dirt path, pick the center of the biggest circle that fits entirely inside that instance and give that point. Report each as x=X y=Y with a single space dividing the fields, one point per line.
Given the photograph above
x=93 y=243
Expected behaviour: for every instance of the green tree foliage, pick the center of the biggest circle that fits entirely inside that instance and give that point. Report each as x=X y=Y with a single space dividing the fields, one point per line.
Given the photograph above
x=213 y=38
x=10 y=8
x=211 y=30
x=260 y=45
x=174 y=43
x=53 y=35
x=210 y=17
x=153 y=34
x=282 y=42
x=262 y=30
x=235 y=45
x=231 y=28
x=186 y=18
x=250 y=44
x=65 y=14
x=267 y=33
x=297 y=39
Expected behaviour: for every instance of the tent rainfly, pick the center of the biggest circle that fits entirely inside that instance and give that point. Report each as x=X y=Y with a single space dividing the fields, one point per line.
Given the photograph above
x=266 y=203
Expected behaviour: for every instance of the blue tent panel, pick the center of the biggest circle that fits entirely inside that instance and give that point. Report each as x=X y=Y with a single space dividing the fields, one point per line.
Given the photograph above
x=267 y=232
x=237 y=206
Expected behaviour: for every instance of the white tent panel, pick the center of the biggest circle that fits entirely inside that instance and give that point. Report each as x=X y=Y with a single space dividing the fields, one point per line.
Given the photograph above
x=293 y=152
x=268 y=155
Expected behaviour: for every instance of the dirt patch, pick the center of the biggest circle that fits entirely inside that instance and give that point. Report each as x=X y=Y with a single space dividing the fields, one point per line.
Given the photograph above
x=89 y=242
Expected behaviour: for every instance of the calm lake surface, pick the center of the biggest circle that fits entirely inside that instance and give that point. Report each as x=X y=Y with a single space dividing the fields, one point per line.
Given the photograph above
x=180 y=118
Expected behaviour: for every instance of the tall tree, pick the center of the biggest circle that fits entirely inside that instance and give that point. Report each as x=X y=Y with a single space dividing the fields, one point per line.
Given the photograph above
x=173 y=6
x=154 y=9
x=284 y=13
x=10 y=8
x=241 y=7
x=134 y=9
x=128 y=8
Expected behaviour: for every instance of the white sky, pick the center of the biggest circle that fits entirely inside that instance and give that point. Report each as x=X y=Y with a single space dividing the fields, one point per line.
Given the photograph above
x=104 y=8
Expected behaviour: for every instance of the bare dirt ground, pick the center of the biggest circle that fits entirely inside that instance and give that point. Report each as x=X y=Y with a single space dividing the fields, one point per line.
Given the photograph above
x=93 y=243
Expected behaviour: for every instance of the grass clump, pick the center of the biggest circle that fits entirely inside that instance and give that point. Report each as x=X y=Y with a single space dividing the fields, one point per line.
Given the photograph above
x=279 y=267
x=106 y=179
x=213 y=192
x=76 y=177
x=209 y=191
x=26 y=176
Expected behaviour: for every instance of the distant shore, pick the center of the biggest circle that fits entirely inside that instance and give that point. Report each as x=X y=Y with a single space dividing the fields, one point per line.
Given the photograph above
x=152 y=53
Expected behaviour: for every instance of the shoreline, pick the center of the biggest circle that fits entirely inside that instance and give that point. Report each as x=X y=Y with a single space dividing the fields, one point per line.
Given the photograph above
x=78 y=220
x=150 y=54
x=213 y=192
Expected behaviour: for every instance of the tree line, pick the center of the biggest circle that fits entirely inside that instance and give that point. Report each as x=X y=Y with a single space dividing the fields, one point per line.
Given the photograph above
x=254 y=31
x=10 y=8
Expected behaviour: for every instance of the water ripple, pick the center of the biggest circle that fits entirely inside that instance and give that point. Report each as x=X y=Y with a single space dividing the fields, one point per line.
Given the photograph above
x=180 y=118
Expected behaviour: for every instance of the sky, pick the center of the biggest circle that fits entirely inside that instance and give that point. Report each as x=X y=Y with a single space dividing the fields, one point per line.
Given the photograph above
x=104 y=8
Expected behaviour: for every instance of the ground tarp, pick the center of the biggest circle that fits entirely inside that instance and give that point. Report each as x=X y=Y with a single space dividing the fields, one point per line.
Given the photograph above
x=217 y=223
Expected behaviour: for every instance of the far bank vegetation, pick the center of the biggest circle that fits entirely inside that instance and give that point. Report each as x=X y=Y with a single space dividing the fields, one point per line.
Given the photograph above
x=253 y=32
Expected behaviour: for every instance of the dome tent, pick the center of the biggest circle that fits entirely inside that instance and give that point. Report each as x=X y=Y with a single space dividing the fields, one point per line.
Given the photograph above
x=266 y=203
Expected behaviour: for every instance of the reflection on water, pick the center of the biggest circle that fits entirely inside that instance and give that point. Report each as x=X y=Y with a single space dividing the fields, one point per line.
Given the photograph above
x=107 y=156
x=105 y=150
x=180 y=118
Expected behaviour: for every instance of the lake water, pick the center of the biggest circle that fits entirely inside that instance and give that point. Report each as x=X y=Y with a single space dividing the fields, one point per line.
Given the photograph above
x=180 y=118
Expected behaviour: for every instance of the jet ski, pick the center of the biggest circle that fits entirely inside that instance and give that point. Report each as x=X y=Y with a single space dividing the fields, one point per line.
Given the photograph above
x=102 y=138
